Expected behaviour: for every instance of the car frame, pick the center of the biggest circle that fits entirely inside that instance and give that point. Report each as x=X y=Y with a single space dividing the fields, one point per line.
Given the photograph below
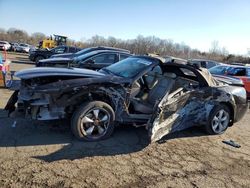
x=140 y=90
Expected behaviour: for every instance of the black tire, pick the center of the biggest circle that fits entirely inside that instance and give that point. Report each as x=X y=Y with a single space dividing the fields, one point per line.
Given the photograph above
x=38 y=58
x=212 y=122
x=85 y=111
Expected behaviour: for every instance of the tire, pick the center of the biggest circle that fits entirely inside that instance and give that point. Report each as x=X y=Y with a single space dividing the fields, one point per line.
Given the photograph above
x=38 y=58
x=93 y=121
x=219 y=120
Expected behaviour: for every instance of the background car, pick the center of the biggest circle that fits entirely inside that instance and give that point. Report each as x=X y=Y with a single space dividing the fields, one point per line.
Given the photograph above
x=13 y=47
x=87 y=50
x=239 y=71
x=203 y=63
x=23 y=48
x=39 y=54
x=93 y=60
x=4 y=45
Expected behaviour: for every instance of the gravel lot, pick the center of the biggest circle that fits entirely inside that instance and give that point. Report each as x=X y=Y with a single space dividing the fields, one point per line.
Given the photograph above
x=45 y=154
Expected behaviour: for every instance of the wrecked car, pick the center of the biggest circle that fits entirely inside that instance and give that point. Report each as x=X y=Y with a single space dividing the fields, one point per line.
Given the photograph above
x=139 y=90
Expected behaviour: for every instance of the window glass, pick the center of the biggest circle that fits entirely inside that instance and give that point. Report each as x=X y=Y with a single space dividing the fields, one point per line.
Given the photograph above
x=129 y=67
x=219 y=70
x=195 y=63
x=203 y=64
x=187 y=72
x=104 y=59
x=59 y=50
x=210 y=64
x=72 y=49
x=123 y=56
x=237 y=72
x=248 y=72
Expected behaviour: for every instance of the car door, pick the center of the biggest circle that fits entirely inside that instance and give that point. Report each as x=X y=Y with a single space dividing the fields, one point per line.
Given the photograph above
x=243 y=74
x=60 y=50
x=183 y=107
x=99 y=61
x=169 y=116
x=246 y=80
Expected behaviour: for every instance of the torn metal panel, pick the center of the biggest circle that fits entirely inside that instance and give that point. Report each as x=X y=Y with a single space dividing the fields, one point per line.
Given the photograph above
x=188 y=109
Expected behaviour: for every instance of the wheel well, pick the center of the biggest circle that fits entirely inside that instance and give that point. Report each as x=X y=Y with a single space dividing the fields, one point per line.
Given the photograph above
x=91 y=97
x=231 y=109
x=103 y=97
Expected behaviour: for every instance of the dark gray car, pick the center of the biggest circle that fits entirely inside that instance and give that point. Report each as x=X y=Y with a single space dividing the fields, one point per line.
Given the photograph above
x=139 y=90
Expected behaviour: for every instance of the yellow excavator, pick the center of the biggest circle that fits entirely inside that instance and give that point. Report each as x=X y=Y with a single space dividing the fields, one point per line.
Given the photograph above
x=51 y=43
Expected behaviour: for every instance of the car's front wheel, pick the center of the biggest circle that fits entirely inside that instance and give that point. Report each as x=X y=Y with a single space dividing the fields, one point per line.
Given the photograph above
x=219 y=120
x=93 y=121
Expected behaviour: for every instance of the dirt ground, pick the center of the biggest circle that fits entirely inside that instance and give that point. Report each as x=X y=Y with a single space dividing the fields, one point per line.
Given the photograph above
x=45 y=154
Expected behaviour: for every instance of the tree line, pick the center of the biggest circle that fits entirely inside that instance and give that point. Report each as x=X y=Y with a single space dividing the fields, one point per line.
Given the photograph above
x=139 y=45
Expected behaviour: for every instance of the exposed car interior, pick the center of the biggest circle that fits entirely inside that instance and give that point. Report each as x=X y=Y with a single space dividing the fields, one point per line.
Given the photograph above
x=155 y=84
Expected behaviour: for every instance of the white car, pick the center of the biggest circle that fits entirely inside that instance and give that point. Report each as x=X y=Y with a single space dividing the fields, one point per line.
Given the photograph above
x=4 y=45
x=22 y=47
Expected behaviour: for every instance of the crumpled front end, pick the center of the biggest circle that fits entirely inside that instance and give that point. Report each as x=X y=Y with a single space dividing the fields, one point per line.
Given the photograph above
x=39 y=106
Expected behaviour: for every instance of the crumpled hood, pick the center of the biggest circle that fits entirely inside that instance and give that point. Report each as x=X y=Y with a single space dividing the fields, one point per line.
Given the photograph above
x=49 y=71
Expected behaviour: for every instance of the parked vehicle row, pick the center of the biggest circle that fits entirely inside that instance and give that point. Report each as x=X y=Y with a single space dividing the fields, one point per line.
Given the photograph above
x=16 y=47
x=235 y=71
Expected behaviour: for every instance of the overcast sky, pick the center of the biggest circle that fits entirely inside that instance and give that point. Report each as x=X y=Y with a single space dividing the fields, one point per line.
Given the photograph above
x=196 y=23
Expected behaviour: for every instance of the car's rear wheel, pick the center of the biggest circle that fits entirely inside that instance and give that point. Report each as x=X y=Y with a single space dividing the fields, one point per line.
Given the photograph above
x=219 y=120
x=38 y=58
x=93 y=121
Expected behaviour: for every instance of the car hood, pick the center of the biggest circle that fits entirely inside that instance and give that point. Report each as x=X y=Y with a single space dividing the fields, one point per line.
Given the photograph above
x=65 y=55
x=229 y=80
x=47 y=72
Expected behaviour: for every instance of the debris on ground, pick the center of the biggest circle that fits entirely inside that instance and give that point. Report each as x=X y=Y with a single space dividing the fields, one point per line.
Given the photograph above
x=231 y=143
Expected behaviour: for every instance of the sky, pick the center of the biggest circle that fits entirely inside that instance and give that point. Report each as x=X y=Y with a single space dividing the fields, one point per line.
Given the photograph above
x=194 y=22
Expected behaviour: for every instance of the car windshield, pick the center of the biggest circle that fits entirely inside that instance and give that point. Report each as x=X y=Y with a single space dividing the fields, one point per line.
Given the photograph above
x=128 y=68
x=82 y=51
x=219 y=70
x=24 y=45
x=82 y=57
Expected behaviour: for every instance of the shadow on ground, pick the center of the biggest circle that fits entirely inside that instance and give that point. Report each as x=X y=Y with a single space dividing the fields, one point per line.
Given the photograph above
x=125 y=140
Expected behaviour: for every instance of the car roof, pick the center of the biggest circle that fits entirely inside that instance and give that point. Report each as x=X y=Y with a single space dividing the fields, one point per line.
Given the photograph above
x=235 y=66
x=96 y=52
x=109 y=48
x=203 y=60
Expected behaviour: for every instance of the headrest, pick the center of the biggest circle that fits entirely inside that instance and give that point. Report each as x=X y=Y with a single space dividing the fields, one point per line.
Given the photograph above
x=170 y=74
